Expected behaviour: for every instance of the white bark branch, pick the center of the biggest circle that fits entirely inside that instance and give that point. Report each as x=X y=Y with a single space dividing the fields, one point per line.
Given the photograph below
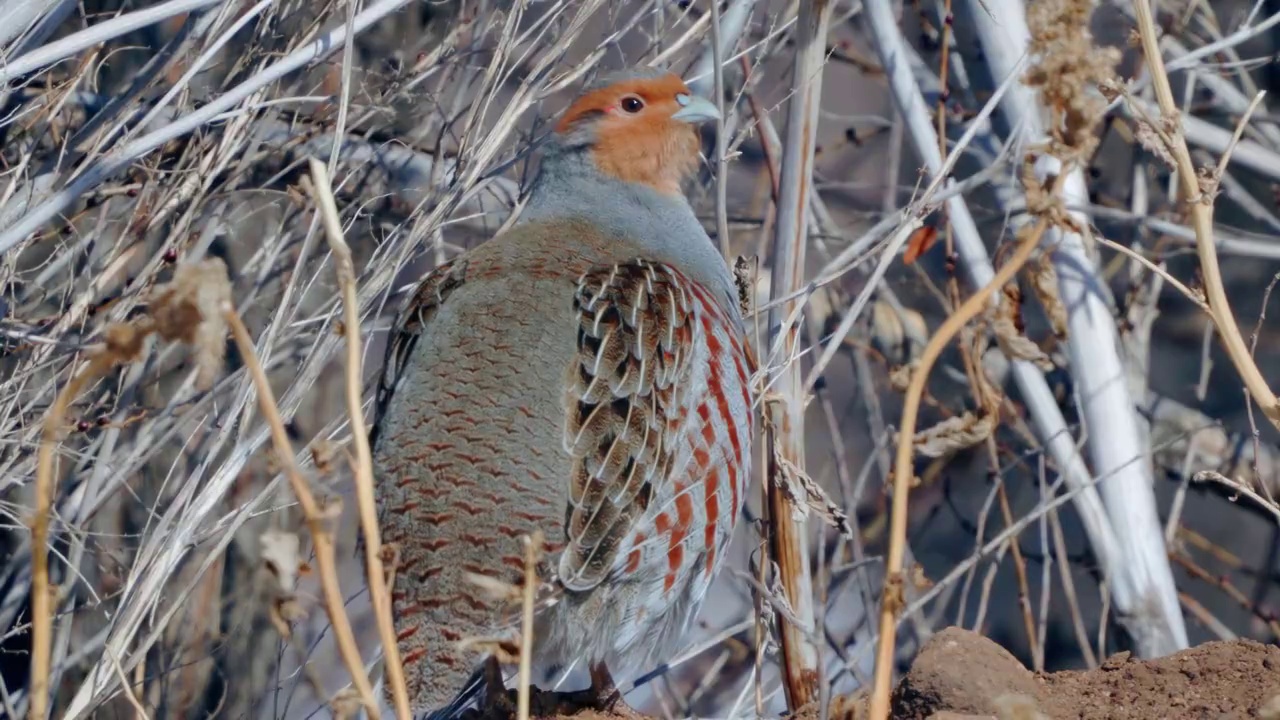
x=1116 y=445
x=1045 y=415
x=19 y=16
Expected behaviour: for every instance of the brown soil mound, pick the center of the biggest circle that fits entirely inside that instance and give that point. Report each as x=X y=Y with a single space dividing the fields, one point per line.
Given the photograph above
x=959 y=674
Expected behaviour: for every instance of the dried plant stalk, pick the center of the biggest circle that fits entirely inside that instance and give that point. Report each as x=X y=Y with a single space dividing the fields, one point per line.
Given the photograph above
x=892 y=601
x=313 y=514
x=41 y=600
x=393 y=668
x=1200 y=208
x=785 y=438
x=532 y=546
x=184 y=310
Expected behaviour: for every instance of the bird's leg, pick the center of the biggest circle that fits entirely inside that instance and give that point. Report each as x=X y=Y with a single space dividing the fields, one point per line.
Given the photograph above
x=605 y=693
x=497 y=701
x=602 y=696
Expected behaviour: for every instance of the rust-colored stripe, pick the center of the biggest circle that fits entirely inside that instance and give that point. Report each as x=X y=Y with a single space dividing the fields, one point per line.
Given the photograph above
x=722 y=406
x=412 y=656
x=633 y=557
x=704 y=413
x=662 y=523
x=684 y=521
x=702 y=458
x=675 y=558
x=708 y=427
x=713 y=342
x=684 y=511
x=712 y=487
x=715 y=386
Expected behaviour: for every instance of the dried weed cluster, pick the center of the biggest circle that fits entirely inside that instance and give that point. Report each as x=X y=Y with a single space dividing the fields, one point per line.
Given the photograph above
x=1067 y=69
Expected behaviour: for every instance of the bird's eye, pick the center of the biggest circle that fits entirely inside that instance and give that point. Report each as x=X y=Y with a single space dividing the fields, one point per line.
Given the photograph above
x=632 y=104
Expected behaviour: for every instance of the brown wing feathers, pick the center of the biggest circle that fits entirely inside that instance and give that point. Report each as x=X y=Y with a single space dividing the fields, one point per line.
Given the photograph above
x=632 y=346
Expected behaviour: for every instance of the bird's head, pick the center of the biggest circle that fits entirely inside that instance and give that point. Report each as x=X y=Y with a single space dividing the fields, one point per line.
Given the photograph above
x=640 y=126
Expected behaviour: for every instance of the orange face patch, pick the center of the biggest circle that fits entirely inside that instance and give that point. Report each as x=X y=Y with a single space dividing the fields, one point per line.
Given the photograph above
x=640 y=145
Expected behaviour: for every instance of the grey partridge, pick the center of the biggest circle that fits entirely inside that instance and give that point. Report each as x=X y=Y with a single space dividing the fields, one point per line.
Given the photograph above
x=586 y=373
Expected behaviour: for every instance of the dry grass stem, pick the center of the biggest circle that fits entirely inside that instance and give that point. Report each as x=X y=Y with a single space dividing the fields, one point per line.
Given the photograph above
x=1200 y=208
x=316 y=517
x=42 y=600
x=183 y=310
x=532 y=548
x=367 y=506
x=789 y=544
x=139 y=712
x=1238 y=488
x=892 y=600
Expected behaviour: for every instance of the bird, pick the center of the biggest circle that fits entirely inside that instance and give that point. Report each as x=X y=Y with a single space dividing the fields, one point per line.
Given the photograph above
x=585 y=373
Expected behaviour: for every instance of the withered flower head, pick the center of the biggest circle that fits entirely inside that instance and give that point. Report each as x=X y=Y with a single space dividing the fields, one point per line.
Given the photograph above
x=189 y=309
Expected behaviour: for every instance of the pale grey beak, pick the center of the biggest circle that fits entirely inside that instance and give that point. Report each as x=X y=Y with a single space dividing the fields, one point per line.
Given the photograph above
x=695 y=109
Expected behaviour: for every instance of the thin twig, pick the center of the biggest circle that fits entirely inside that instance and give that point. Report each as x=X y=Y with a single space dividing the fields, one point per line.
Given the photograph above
x=1187 y=292
x=894 y=582
x=722 y=140
x=313 y=514
x=785 y=440
x=41 y=592
x=366 y=504
x=139 y=712
x=1239 y=132
x=1200 y=208
x=1238 y=488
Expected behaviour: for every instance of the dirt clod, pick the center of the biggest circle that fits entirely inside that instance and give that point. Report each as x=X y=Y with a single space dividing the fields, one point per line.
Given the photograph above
x=965 y=673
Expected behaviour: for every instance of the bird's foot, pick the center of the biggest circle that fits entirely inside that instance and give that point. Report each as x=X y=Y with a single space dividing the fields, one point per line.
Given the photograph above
x=603 y=695
x=605 y=690
x=498 y=701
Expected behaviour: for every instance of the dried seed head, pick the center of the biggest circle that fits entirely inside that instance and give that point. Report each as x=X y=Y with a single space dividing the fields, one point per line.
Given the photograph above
x=346 y=704
x=954 y=434
x=1067 y=65
x=1151 y=140
x=189 y=309
x=124 y=341
x=281 y=557
x=322 y=454
x=1044 y=280
x=742 y=279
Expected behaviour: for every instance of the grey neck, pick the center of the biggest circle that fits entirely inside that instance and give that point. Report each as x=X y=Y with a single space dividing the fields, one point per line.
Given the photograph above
x=569 y=185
